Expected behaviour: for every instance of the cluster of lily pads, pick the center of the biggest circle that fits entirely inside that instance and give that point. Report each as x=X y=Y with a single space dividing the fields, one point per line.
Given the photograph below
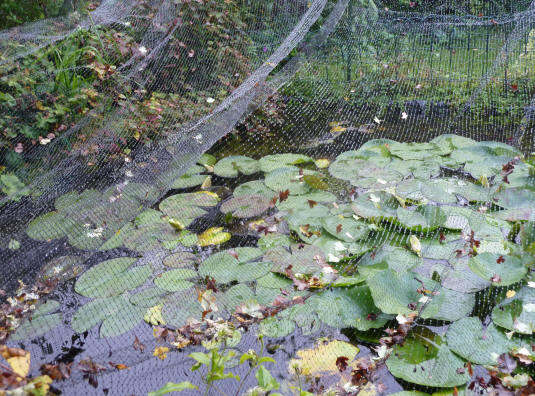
x=382 y=232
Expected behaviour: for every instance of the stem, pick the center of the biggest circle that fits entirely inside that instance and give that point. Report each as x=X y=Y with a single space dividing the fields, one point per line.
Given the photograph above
x=243 y=380
x=220 y=391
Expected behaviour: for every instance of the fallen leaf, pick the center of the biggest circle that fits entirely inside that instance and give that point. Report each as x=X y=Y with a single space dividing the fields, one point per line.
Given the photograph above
x=160 y=352
x=137 y=345
x=341 y=363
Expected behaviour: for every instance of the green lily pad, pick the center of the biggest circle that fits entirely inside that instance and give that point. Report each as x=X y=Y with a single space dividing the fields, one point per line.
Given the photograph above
x=117 y=315
x=378 y=205
x=207 y=160
x=414 y=151
x=393 y=292
x=274 y=281
x=283 y=179
x=186 y=207
x=187 y=181
x=272 y=240
x=468 y=339
x=175 y=280
x=246 y=206
x=41 y=321
x=346 y=229
x=425 y=218
x=388 y=257
x=303 y=202
x=148 y=297
x=306 y=260
x=236 y=296
x=175 y=312
x=353 y=307
x=231 y=166
x=111 y=278
x=425 y=360
x=517 y=313
x=224 y=267
x=255 y=187
x=51 y=225
x=180 y=260
x=515 y=198
x=275 y=161
x=276 y=327
x=489 y=265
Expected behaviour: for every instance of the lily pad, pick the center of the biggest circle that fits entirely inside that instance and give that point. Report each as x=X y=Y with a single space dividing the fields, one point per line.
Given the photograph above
x=321 y=359
x=275 y=161
x=180 y=260
x=62 y=268
x=283 y=179
x=272 y=240
x=388 y=257
x=41 y=321
x=425 y=218
x=394 y=292
x=175 y=313
x=213 y=236
x=231 y=166
x=149 y=297
x=117 y=315
x=378 y=205
x=175 y=280
x=112 y=278
x=246 y=206
x=353 y=307
x=517 y=313
x=468 y=339
x=224 y=267
x=346 y=229
x=187 y=181
x=186 y=207
x=276 y=327
x=506 y=270
x=48 y=226
x=425 y=360
x=305 y=260
x=255 y=187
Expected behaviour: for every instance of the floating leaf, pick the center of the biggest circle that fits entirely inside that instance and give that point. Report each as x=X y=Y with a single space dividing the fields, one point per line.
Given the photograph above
x=41 y=322
x=423 y=359
x=321 y=360
x=468 y=339
x=276 y=327
x=175 y=280
x=394 y=292
x=255 y=187
x=224 y=267
x=275 y=161
x=488 y=265
x=230 y=166
x=111 y=278
x=213 y=236
x=315 y=182
x=517 y=313
x=246 y=206
x=283 y=179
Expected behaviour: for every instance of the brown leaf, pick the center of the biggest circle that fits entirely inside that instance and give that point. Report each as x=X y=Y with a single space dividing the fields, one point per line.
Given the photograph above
x=338 y=228
x=312 y=203
x=118 y=366
x=500 y=260
x=210 y=284
x=57 y=372
x=283 y=195
x=138 y=346
x=341 y=363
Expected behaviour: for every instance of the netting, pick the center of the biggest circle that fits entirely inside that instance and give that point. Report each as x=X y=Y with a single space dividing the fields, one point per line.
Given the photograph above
x=346 y=187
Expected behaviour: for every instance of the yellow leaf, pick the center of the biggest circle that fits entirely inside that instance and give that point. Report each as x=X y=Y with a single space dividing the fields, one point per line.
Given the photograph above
x=20 y=364
x=39 y=106
x=154 y=315
x=510 y=293
x=207 y=183
x=322 y=163
x=176 y=224
x=213 y=236
x=160 y=352
x=322 y=358
x=338 y=129
x=484 y=181
x=416 y=246
x=210 y=193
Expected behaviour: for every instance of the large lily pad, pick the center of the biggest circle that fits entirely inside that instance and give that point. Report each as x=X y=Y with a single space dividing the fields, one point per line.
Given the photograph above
x=305 y=260
x=283 y=179
x=388 y=257
x=255 y=187
x=378 y=205
x=505 y=270
x=517 y=313
x=246 y=206
x=42 y=321
x=424 y=359
x=394 y=292
x=175 y=280
x=117 y=315
x=468 y=339
x=224 y=267
x=423 y=219
x=351 y=307
x=186 y=207
x=112 y=278
x=275 y=161
x=231 y=166
x=346 y=229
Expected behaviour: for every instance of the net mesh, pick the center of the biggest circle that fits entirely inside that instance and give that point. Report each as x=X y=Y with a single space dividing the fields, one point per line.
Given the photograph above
x=307 y=170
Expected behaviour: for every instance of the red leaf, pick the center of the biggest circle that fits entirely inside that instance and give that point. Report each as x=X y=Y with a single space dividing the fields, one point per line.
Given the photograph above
x=283 y=195
x=500 y=260
x=341 y=363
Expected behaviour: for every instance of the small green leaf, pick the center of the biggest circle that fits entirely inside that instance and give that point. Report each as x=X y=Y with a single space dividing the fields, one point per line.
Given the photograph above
x=173 y=387
x=266 y=380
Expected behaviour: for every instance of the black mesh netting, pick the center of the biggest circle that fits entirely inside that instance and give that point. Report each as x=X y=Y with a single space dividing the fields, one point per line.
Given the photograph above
x=345 y=188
